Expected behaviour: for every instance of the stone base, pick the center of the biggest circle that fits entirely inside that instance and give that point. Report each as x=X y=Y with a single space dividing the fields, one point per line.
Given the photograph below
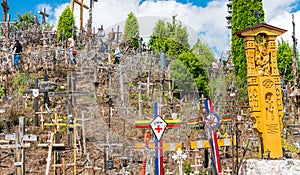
x=270 y=167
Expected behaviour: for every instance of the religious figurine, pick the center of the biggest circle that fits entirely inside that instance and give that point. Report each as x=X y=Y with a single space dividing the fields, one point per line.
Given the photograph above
x=262 y=58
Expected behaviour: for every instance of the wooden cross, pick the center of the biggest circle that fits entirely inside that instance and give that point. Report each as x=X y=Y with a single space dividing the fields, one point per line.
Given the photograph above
x=19 y=145
x=5 y=8
x=42 y=116
x=51 y=142
x=81 y=10
x=197 y=164
x=35 y=91
x=44 y=14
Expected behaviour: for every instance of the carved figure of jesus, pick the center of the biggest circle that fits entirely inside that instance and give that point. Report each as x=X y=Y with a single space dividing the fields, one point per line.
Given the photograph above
x=5 y=8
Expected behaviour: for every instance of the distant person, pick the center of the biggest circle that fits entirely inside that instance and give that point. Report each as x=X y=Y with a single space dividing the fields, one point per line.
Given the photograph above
x=101 y=33
x=72 y=51
x=17 y=49
x=117 y=54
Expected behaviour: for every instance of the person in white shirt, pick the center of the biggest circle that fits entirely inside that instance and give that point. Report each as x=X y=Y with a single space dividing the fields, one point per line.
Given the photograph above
x=117 y=54
x=72 y=52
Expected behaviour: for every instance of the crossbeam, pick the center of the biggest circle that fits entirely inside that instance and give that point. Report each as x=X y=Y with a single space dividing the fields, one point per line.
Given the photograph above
x=80 y=3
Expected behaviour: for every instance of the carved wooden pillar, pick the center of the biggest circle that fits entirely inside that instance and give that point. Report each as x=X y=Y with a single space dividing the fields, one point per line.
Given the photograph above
x=264 y=91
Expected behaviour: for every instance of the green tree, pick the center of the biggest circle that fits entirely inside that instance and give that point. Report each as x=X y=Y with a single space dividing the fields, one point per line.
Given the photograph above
x=131 y=31
x=66 y=25
x=160 y=30
x=175 y=31
x=181 y=35
x=243 y=16
x=203 y=53
x=285 y=60
x=197 y=70
x=25 y=20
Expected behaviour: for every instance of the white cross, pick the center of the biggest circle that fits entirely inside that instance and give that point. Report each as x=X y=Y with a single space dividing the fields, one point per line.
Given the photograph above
x=26 y=98
x=179 y=156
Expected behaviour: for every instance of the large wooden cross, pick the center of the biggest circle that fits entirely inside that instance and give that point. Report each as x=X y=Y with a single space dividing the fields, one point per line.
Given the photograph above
x=81 y=10
x=44 y=14
x=5 y=8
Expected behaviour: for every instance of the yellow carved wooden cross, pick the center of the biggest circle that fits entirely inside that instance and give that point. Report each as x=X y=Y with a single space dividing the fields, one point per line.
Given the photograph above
x=264 y=91
x=81 y=10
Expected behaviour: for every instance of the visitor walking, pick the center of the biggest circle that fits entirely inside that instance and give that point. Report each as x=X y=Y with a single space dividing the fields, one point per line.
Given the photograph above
x=117 y=54
x=72 y=51
x=17 y=49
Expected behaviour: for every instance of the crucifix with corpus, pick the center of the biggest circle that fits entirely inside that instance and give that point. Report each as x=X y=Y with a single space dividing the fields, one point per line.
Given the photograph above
x=81 y=10
x=5 y=8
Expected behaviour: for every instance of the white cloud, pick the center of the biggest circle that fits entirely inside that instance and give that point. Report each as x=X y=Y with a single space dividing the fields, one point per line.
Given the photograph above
x=279 y=14
x=209 y=21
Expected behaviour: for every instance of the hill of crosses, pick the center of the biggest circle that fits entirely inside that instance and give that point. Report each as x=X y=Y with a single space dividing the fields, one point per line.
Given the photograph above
x=92 y=104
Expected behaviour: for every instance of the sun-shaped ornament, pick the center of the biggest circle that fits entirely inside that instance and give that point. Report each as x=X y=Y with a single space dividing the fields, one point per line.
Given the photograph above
x=213 y=120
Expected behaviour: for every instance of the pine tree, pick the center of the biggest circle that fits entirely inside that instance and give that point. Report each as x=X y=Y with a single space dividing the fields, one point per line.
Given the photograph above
x=243 y=16
x=131 y=31
x=66 y=25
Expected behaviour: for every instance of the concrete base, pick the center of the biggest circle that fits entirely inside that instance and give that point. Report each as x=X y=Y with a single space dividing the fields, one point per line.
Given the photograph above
x=270 y=167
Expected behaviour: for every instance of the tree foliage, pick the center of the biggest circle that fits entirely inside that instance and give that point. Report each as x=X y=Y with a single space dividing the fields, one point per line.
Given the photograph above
x=243 y=17
x=66 y=25
x=188 y=70
x=285 y=60
x=203 y=53
x=131 y=30
x=160 y=30
x=175 y=31
x=197 y=70
x=25 y=20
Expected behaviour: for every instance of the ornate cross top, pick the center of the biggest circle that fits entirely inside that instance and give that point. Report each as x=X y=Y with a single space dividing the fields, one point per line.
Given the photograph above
x=256 y=13
x=5 y=8
x=44 y=14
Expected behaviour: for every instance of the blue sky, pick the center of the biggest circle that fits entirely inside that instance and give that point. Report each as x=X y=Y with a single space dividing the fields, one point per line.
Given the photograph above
x=19 y=6
x=205 y=17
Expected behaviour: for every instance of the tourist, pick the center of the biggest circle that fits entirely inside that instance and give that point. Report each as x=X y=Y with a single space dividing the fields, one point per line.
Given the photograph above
x=101 y=34
x=72 y=51
x=117 y=54
x=17 y=49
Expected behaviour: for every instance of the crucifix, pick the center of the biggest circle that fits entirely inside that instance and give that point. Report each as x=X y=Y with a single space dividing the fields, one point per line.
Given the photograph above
x=5 y=8
x=256 y=13
x=44 y=15
x=81 y=10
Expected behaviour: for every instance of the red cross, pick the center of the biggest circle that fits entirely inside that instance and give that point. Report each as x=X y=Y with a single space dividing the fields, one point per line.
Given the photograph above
x=158 y=128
